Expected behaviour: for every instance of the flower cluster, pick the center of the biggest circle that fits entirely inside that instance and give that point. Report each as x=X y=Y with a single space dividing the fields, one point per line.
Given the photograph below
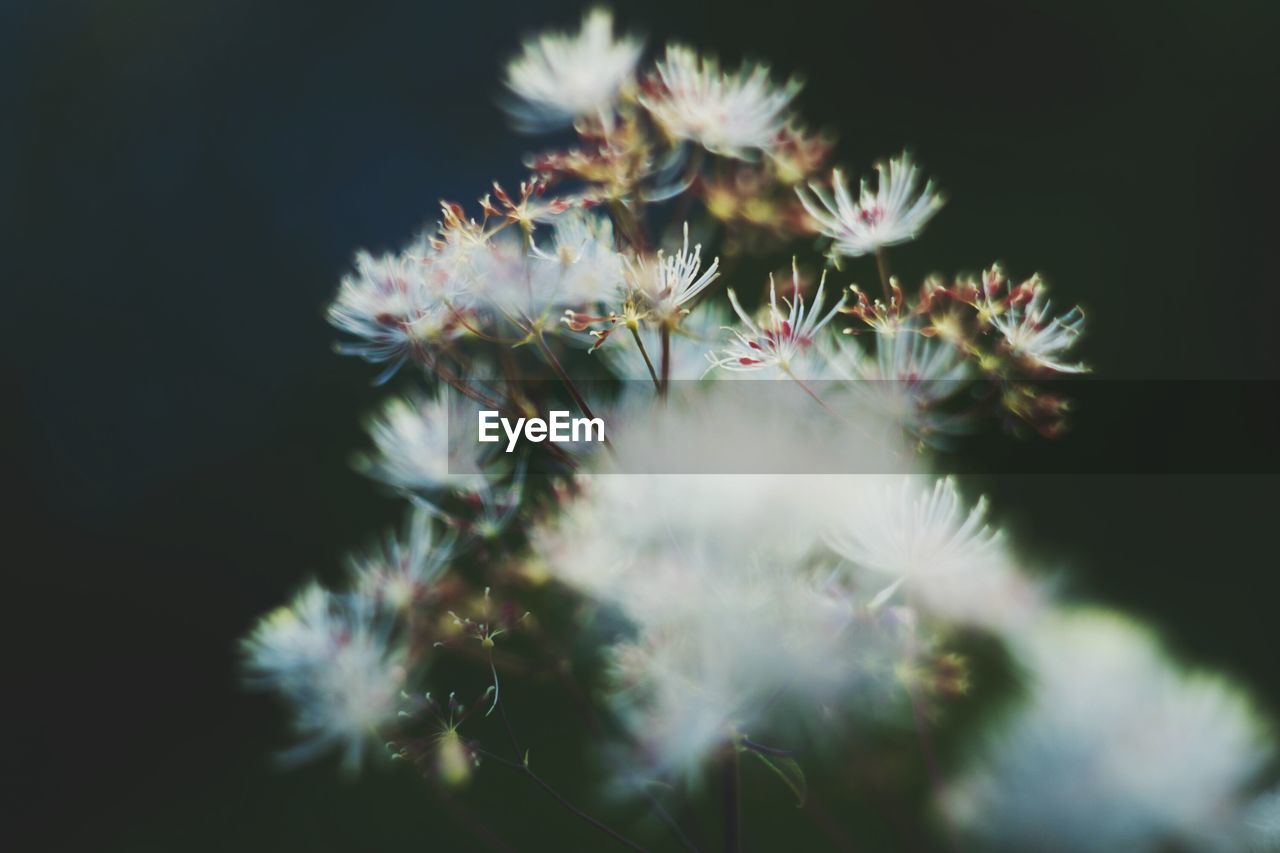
x=750 y=563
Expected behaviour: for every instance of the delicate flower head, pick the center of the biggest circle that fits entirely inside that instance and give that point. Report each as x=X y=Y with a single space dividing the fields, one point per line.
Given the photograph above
x=391 y=305
x=400 y=572
x=924 y=539
x=894 y=213
x=1031 y=333
x=672 y=281
x=1115 y=748
x=333 y=659
x=734 y=115
x=784 y=338
x=909 y=378
x=432 y=742
x=729 y=631
x=591 y=271
x=560 y=77
x=420 y=445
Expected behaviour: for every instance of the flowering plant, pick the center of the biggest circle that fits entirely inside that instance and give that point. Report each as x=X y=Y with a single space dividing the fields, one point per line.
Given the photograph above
x=728 y=609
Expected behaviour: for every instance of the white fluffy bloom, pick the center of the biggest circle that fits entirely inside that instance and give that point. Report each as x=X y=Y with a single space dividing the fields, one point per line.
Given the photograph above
x=947 y=559
x=725 y=630
x=418 y=451
x=392 y=304
x=670 y=282
x=401 y=571
x=1115 y=749
x=583 y=255
x=894 y=213
x=734 y=115
x=560 y=77
x=783 y=339
x=334 y=661
x=1033 y=334
x=908 y=379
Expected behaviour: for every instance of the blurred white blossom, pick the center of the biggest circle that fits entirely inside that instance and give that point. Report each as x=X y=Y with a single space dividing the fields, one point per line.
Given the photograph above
x=734 y=115
x=334 y=660
x=559 y=77
x=417 y=450
x=1115 y=747
x=399 y=572
x=926 y=540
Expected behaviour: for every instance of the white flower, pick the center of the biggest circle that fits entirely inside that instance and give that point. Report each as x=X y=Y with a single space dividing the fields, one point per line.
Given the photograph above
x=560 y=77
x=392 y=304
x=1115 y=748
x=333 y=660
x=1033 y=335
x=784 y=338
x=672 y=281
x=590 y=271
x=422 y=445
x=893 y=214
x=734 y=115
x=910 y=376
x=950 y=562
x=507 y=277
x=400 y=572
x=725 y=631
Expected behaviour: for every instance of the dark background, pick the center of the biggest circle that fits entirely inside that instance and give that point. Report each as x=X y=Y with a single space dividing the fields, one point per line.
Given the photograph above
x=181 y=184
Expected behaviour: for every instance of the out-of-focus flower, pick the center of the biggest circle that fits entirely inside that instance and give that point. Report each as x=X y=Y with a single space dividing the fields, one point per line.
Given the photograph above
x=560 y=77
x=619 y=166
x=416 y=449
x=909 y=378
x=1114 y=749
x=729 y=632
x=784 y=338
x=1031 y=333
x=894 y=213
x=928 y=542
x=670 y=282
x=333 y=659
x=591 y=271
x=399 y=573
x=734 y=115
x=797 y=153
x=391 y=305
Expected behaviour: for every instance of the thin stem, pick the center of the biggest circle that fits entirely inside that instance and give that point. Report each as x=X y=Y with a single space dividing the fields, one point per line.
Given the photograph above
x=671 y=823
x=559 y=798
x=666 y=360
x=882 y=266
x=563 y=376
x=731 y=800
x=521 y=766
x=635 y=333
x=566 y=381
x=813 y=394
